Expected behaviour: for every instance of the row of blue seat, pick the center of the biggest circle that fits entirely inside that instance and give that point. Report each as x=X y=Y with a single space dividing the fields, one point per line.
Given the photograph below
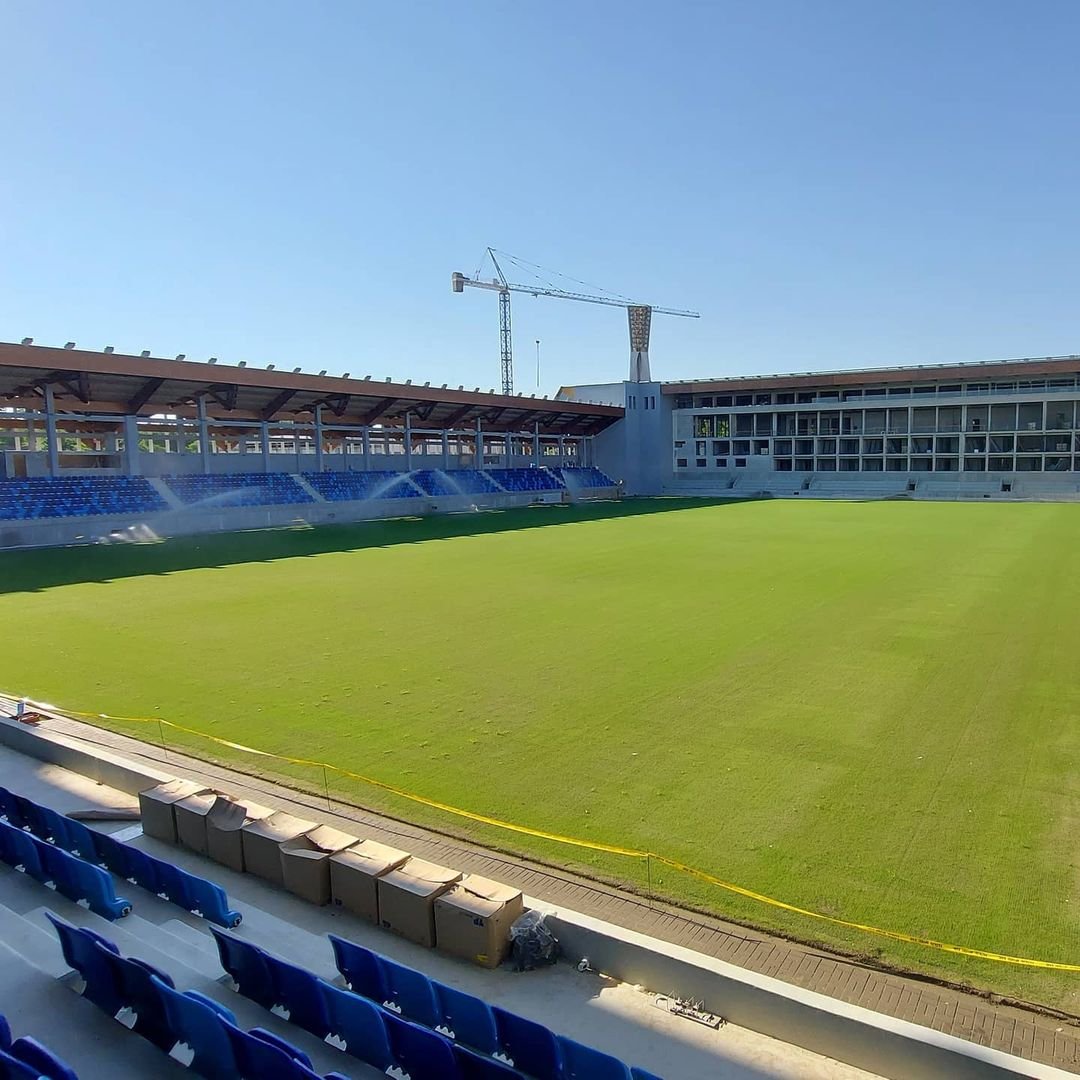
x=540 y=479
x=25 y=498
x=166 y=1017
x=532 y=1047
x=237 y=489
x=446 y=1027
x=27 y=1059
x=588 y=476
x=189 y=891
x=66 y=873
x=364 y=1028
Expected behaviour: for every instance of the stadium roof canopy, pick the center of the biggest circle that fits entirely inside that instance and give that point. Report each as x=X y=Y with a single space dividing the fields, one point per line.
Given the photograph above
x=95 y=383
x=906 y=376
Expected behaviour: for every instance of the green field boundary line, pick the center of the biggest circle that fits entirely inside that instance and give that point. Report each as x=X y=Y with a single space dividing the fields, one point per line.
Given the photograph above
x=526 y=830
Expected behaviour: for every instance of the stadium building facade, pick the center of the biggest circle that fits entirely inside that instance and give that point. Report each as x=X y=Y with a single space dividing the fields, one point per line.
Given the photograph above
x=91 y=443
x=1004 y=428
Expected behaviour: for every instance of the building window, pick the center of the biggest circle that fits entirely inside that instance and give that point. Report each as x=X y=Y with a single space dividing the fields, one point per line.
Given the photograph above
x=680 y=463
x=740 y=463
x=701 y=463
x=721 y=462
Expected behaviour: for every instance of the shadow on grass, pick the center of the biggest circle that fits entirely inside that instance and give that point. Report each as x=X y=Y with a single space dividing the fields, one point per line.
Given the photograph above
x=45 y=568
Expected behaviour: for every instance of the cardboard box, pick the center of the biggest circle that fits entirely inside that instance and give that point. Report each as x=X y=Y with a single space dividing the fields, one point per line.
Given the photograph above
x=263 y=839
x=156 y=807
x=354 y=874
x=224 y=838
x=305 y=862
x=473 y=919
x=407 y=898
x=190 y=816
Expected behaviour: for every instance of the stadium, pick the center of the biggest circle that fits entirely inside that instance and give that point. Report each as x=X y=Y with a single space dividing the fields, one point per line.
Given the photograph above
x=791 y=656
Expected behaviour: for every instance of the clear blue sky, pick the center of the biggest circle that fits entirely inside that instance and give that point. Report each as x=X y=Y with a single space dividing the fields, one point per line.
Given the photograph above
x=831 y=184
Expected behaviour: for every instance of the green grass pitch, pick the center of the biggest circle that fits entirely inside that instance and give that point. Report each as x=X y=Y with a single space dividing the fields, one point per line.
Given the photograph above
x=866 y=709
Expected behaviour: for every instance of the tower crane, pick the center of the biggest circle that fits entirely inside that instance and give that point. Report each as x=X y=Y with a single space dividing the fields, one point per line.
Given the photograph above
x=639 y=317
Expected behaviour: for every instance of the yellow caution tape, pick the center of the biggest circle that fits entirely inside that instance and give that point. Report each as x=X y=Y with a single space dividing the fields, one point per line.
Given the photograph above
x=632 y=853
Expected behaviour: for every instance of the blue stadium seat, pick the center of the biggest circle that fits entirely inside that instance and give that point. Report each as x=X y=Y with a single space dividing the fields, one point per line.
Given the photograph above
x=35 y=817
x=197 y=895
x=261 y=1054
x=9 y=809
x=361 y=968
x=5 y=1033
x=82 y=882
x=142 y=870
x=75 y=837
x=30 y=1052
x=525 y=480
x=411 y=992
x=112 y=855
x=584 y=1063
x=80 y=949
x=22 y=852
x=237 y=489
x=299 y=992
x=529 y=1045
x=196 y=1022
x=353 y=486
x=468 y=1018
x=26 y=498
x=134 y=981
x=587 y=477
x=359 y=1024
x=642 y=1074
x=247 y=964
x=422 y=1053
x=474 y=1066
x=14 y=1069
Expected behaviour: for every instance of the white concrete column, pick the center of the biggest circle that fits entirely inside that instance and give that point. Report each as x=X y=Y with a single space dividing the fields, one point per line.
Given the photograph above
x=50 y=432
x=365 y=435
x=408 y=442
x=479 y=448
x=445 y=449
x=264 y=445
x=318 y=439
x=204 y=435
x=132 y=457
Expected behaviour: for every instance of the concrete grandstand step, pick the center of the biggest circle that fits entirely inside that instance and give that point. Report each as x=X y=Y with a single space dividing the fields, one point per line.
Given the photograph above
x=28 y=939
x=93 y=1044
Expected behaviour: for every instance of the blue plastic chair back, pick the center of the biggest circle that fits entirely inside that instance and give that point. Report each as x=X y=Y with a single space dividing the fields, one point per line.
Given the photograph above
x=359 y=1024
x=199 y=1027
x=469 y=1018
x=33 y=816
x=260 y=1053
x=530 y=1046
x=133 y=980
x=643 y=1074
x=247 y=965
x=142 y=869
x=29 y=1051
x=54 y=826
x=411 y=991
x=582 y=1062
x=474 y=1066
x=22 y=851
x=298 y=991
x=81 y=953
x=361 y=968
x=57 y=869
x=112 y=854
x=97 y=889
x=14 y=1069
x=9 y=808
x=79 y=840
x=5 y=1033
x=422 y=1053
x=201 y=897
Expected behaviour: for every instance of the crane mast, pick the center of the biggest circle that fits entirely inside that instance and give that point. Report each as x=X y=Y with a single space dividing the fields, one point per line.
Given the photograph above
x=639 y=318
